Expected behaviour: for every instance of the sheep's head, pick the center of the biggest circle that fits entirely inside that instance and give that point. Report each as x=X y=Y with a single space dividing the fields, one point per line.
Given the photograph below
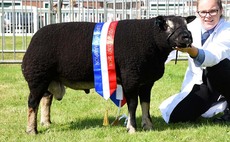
x=175 y=28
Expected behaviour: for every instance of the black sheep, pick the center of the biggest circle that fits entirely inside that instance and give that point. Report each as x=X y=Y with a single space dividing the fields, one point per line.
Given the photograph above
x=61 y=55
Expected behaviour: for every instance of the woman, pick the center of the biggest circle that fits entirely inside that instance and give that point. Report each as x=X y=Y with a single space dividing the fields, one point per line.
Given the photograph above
x=208 y=75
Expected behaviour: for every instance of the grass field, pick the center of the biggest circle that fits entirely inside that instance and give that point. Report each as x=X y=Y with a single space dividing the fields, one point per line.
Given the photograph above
x=11 y=45
x=79 y=116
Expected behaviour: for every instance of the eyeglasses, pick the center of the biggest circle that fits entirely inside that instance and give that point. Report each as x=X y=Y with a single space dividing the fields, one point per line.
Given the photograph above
x=211 y=12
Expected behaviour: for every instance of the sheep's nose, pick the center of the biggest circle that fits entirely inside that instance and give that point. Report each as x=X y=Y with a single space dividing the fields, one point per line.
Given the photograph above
x=187 y=37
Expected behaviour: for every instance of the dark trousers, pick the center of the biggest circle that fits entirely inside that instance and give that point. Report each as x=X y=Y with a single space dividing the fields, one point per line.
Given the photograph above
x=216 y=81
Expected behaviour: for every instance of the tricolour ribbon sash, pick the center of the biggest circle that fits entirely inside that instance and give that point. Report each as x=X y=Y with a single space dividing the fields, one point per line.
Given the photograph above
x=105 y=81
x=117 y=97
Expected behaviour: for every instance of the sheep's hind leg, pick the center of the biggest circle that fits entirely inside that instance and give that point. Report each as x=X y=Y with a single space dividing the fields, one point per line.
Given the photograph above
x=33 y=104
x=146 y=119
x=32 y=121
x=34 y=99
x=46 y=103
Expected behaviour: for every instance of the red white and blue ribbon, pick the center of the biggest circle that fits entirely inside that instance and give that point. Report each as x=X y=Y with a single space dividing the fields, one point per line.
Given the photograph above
x=105 y=81
x=117 y=97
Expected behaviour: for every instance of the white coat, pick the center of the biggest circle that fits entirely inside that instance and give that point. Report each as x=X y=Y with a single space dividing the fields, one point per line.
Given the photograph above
x=216 y=48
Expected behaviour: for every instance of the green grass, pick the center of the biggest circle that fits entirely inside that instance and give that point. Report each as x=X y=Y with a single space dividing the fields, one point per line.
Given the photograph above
x=79 y=116
x=14 y=42
x=11 y=44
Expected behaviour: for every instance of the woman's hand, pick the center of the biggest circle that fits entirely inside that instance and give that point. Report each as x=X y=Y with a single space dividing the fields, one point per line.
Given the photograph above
x=192 y=51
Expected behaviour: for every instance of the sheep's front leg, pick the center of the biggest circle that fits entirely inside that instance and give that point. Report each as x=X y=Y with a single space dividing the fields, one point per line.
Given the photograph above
x=46 y=102
x=132 y=103
x=146 y=119
x=144 y=94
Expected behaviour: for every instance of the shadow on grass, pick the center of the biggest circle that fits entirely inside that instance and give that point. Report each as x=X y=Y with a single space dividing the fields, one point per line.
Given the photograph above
x=158 y=123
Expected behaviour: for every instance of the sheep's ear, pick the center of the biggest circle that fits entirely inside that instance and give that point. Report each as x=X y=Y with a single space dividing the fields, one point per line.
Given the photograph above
x=190 y=18
x=161 y=22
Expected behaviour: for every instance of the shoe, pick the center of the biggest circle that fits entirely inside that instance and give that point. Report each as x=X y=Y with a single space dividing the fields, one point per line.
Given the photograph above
x=225 y=118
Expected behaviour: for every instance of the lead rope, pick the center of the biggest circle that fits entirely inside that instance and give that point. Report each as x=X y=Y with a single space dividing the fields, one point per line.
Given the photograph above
x=176 y=57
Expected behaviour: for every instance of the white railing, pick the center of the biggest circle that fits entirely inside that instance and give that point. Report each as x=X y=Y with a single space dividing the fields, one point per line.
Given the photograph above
x=30 y=19
x=18 y=21
x=23 y=21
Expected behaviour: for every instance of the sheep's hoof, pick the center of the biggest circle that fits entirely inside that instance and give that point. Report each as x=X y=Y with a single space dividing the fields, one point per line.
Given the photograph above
x=131 y=130
x=146 y=127
x=31 y=131
x=147 y=124
x=46 y=124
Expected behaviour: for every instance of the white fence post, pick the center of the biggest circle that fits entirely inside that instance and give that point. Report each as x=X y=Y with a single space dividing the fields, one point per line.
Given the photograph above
x=36 y=20
x=1 y=21
x=105 y=10
x=59 y=13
